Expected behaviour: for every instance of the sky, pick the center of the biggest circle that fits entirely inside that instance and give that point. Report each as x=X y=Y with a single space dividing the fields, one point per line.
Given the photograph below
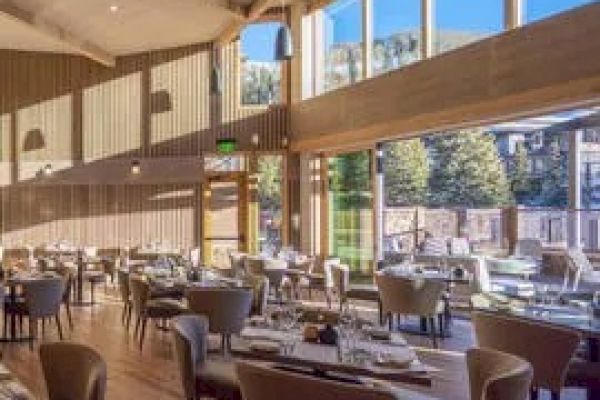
x=343 y=20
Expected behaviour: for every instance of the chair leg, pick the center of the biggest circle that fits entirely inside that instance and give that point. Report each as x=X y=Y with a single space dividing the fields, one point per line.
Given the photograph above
x=381 y=320
x=21 y=325
x=143 y=333
x=137 y=326
x=124 y=314
x=69 y=315
x=328 y=298
x=390 y=318
x=128 y=316
x=5 y=328
x=432 y=332
x=92 y=293
x=58 y=326
x=43 y=327
x=32 y=331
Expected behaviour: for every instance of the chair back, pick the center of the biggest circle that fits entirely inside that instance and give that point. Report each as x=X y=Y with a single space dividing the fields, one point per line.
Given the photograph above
x=494 y=375
x=548 y=348
x=260 y=292
x=67 y=275
x=403 y=295
x=306 y=264
x=44 y=296
x=340 y=276
x=90 y=251
x=326 y=268
x=73 y=371
x=190 y=334
x=265 y=382
x=238 y=263
x=195 y=257
x=124 y=290
x=529 y=249
x=255 y=265
x=225 y=308
x=579 y=265
x=140 y=293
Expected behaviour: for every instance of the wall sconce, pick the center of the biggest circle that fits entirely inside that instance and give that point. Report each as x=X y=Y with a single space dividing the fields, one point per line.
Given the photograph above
x=254 y=139
x=47 y=170
x=295 y=221
x=135 y=167
x=284 y=142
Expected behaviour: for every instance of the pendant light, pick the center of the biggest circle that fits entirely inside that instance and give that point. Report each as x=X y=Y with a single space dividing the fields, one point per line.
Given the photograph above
x=284 y=48
x=215 y=74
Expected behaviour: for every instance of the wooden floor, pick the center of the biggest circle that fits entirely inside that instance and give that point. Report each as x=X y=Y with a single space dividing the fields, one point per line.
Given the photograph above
x=152 y=374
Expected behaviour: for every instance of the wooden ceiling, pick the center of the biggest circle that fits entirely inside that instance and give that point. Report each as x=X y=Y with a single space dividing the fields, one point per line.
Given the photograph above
x=95 y=29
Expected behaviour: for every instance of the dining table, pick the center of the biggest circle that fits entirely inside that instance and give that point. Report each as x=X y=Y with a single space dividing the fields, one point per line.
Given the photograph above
x=374 y=361
x=82 y=263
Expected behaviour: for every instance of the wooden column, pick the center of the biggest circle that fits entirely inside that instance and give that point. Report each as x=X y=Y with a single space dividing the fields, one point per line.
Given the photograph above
x=252 y=220
x=427 y=28
x=324 y=206
x=367 y=36
x=513 y=13
x=378 y=204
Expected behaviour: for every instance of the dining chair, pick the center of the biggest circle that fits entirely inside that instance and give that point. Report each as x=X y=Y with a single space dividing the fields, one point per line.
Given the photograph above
x=67 y=274
x=42 y=300
x=73 y=371
x=275 y=270
x=260 y=381
x=238 y=263
x=321 y=278
x=145 y=308
x=494 y=375
x=200 y=376
x=125 y=293
x=225 y=308
x=548 y=348
x=260 y=292
x=254 y=265
x=410 y=296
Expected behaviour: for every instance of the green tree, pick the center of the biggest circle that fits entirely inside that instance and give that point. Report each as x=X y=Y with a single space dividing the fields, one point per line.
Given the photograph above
x=406 y=172
x=350 y=176
x=466 y=171
x=269 y=178
x=519 y=177
x=554 y=184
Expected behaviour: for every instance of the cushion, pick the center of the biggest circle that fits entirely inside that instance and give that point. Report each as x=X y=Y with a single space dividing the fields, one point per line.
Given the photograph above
x=218 y=379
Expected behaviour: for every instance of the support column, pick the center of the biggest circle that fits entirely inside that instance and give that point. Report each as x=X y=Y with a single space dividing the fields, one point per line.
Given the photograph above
x=310 y=210
x=367 y=36
x=574 y=233
x=513 y=14
x=252 y=228
x=426 y=28
x=324 y=205
x=378 y=206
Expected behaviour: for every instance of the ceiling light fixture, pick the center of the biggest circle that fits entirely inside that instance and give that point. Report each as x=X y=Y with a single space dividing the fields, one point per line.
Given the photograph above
x=47 y=170
x=284 y=48
x=113 y=8
x=135 y=167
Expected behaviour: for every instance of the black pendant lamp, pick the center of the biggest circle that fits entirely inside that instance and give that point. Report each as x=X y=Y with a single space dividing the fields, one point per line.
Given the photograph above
x=215 y=76
x=284 y=48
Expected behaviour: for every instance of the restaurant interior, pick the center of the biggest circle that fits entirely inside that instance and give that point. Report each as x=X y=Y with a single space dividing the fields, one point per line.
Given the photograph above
x=293 y=199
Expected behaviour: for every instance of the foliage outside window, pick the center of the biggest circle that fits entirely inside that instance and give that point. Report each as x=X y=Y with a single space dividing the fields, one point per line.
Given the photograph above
x=260 y=73
x=396 y=34
x=460 y=22
x=540 y=9
x=269 y=195
x=350 y=211
x=342 y=41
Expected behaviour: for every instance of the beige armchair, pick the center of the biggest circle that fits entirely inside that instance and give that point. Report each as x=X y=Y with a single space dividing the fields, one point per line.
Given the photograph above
x=225 y=308
x=494 y=375
x=199 y=376
x=548 y=348
x=73 y=371
x=259 y=381
x=406 y=296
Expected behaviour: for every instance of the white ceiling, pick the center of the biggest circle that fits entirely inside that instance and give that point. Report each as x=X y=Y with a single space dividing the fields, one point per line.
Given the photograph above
x=138 y=25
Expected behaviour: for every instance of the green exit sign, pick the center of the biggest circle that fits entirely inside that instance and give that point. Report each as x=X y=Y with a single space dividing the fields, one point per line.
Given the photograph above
x=226 y=146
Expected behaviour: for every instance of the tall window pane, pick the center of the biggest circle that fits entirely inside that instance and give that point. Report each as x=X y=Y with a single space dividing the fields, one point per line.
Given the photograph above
x=269 y=197
x=459 y=22
x=350 y=212
x=260 y=73
x=342 y=38
x=540 y=9
x=396 y=33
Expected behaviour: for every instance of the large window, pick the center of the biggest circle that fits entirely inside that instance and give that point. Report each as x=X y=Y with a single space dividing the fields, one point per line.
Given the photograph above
x=342 y=38
x=259 y=71
x=459 y=22
x=351 y=211
x=540 y=9
x=396 y=33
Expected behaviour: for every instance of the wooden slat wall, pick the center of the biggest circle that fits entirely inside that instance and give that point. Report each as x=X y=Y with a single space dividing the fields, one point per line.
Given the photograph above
x=89 y=122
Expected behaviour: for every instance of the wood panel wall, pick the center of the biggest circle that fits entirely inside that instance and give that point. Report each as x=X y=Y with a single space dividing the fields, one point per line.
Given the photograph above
x=90 y=122
x=541 y=67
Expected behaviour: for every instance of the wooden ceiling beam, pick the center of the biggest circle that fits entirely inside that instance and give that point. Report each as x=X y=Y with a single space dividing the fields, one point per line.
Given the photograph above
x=255 y=11
x=56 y=32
